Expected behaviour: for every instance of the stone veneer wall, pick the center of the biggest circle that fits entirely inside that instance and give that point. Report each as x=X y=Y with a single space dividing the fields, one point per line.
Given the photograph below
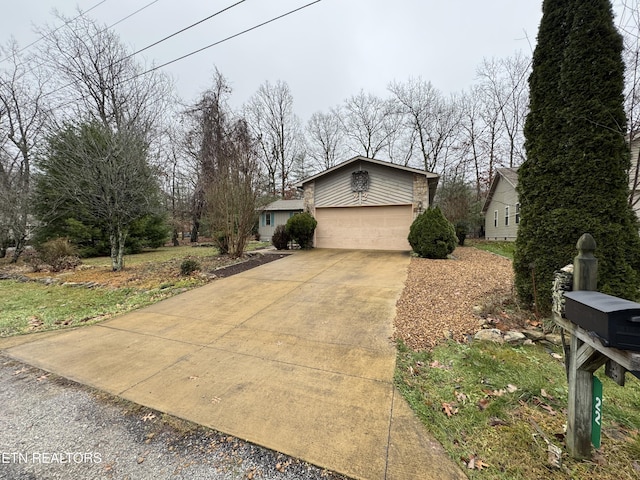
x=309 y=197
x=420 y=193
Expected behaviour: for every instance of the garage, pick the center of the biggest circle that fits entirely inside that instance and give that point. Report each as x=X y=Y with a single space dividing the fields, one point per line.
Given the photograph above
x=366 y=204
x=367 y=228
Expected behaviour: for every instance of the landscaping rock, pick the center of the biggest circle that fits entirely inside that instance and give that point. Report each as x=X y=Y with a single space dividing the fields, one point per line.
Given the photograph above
x=514 y=338
x=489 y=335
x=554 y=338
x=535 y=335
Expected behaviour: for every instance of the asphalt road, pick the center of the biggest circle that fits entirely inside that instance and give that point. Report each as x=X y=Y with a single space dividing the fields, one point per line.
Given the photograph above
x=51 y=428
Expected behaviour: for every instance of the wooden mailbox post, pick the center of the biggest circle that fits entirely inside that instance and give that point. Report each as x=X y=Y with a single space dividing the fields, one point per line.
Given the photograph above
x=585 y=355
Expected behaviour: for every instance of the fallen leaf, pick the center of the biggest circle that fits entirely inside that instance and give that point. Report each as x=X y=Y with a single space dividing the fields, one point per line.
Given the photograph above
x=548 y=408
x=556 y=356
x=216 y=400
x=495 y=421
x=18 y=372
x=193 y=377
x=483 y=403
x=472 y=463
x=461 y=397
x=148 y=416
x=544 y=394
x=42 y=377
x=480 y=465
x=636 y=465
x=449 y=409
x=512 y=388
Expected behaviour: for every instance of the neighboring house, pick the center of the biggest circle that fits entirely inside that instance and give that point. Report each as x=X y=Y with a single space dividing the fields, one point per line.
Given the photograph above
x=365 y=203
x=502 y=208
x=277 y=213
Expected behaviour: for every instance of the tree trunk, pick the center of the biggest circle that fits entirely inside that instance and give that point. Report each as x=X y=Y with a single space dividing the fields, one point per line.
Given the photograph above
x=117 y=240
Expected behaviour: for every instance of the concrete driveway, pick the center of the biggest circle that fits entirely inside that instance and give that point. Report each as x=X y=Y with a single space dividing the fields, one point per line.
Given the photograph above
x=295 y=355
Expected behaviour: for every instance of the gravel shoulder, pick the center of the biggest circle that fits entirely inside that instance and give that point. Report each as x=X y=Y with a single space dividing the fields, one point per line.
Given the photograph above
x=51 y=428
x=440 y=295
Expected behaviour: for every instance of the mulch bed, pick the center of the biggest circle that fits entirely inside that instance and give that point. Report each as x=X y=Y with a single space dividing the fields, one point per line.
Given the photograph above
x=252 y=262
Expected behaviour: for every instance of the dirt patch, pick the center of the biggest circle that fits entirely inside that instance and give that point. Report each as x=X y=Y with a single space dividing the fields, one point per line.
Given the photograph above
x=444 y=298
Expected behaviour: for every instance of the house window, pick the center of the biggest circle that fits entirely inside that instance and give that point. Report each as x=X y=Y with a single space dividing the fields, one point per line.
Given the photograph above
x=506 y=216
x=517 y=213
x=495 y=218
x=268 y=220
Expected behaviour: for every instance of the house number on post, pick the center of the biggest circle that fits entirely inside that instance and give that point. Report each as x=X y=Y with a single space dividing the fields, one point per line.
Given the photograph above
x=596 y=419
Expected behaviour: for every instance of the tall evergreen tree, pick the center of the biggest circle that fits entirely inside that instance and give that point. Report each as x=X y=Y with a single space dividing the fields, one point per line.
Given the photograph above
x=575 y=177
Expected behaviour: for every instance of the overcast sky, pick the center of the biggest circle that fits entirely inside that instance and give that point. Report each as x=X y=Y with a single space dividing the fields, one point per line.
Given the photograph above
x=325 y=52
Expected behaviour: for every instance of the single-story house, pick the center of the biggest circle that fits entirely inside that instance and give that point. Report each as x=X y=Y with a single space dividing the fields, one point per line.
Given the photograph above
x=277 y=213
x=364 y=203
x=502 y=208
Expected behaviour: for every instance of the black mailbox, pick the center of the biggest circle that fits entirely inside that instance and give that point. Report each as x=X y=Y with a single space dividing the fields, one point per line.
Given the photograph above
x=614 y=320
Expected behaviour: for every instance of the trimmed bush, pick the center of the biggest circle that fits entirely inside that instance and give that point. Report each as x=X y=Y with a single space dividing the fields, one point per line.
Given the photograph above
x=188 y=266
x=431 y=235
x=280 y=238
x=300 y=228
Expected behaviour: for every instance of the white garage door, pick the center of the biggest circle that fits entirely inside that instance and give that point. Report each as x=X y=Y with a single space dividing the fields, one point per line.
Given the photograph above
x=365 y=228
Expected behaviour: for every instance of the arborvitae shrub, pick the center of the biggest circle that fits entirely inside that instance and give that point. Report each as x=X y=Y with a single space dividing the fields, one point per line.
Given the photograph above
x=300 y=228
x=280 y=238
x=431 y=235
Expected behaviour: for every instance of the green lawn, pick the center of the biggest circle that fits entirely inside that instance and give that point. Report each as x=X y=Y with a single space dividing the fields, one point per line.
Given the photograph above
x=479 y=401
x=147 y=278
x=505 y=249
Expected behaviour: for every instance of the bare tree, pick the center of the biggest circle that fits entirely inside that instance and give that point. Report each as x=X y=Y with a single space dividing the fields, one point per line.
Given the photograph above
x=22 y=116
x=504 y=85
x=366 y=120
x=629 y=26
x=227 y=166
x=325 y=139
x=96 y=77
x=98 y=82
x=430 y=120
x=273 y=122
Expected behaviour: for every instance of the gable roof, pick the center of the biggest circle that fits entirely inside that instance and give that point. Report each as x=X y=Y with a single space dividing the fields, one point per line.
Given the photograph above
x=510 y=175
x=432 y=178
x=284 y=205
x=359 y=158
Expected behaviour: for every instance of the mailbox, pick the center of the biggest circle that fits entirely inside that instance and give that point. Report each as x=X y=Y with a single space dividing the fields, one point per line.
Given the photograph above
x=614 y=320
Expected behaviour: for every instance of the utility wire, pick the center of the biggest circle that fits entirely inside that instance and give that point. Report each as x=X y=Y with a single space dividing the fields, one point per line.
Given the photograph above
x=183 y=30
x=226 y=39
x=132 y=14
x=54 y=31
x=120 y=60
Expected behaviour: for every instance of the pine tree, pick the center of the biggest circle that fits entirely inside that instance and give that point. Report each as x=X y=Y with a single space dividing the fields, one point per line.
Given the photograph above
x=575 y=177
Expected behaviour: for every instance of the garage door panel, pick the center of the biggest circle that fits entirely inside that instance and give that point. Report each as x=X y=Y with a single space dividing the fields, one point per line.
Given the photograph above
x=371 y=228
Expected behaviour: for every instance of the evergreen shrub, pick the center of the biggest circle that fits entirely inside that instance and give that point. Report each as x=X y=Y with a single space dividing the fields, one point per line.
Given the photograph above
x=280 y=238
x=431 y=235
x=300 y=228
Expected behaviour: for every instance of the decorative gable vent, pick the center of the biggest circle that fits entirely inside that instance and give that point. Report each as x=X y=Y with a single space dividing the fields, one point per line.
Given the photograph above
x=360 y=181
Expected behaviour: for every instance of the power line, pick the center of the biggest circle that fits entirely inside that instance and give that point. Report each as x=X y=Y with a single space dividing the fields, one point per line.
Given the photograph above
x=54 y=31
x=183 y=29
x=255 y=27
x=132 y=14
x=226 y=39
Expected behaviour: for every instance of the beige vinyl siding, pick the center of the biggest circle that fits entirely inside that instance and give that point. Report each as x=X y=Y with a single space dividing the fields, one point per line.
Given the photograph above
x=387 y=186
x=504 y=198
